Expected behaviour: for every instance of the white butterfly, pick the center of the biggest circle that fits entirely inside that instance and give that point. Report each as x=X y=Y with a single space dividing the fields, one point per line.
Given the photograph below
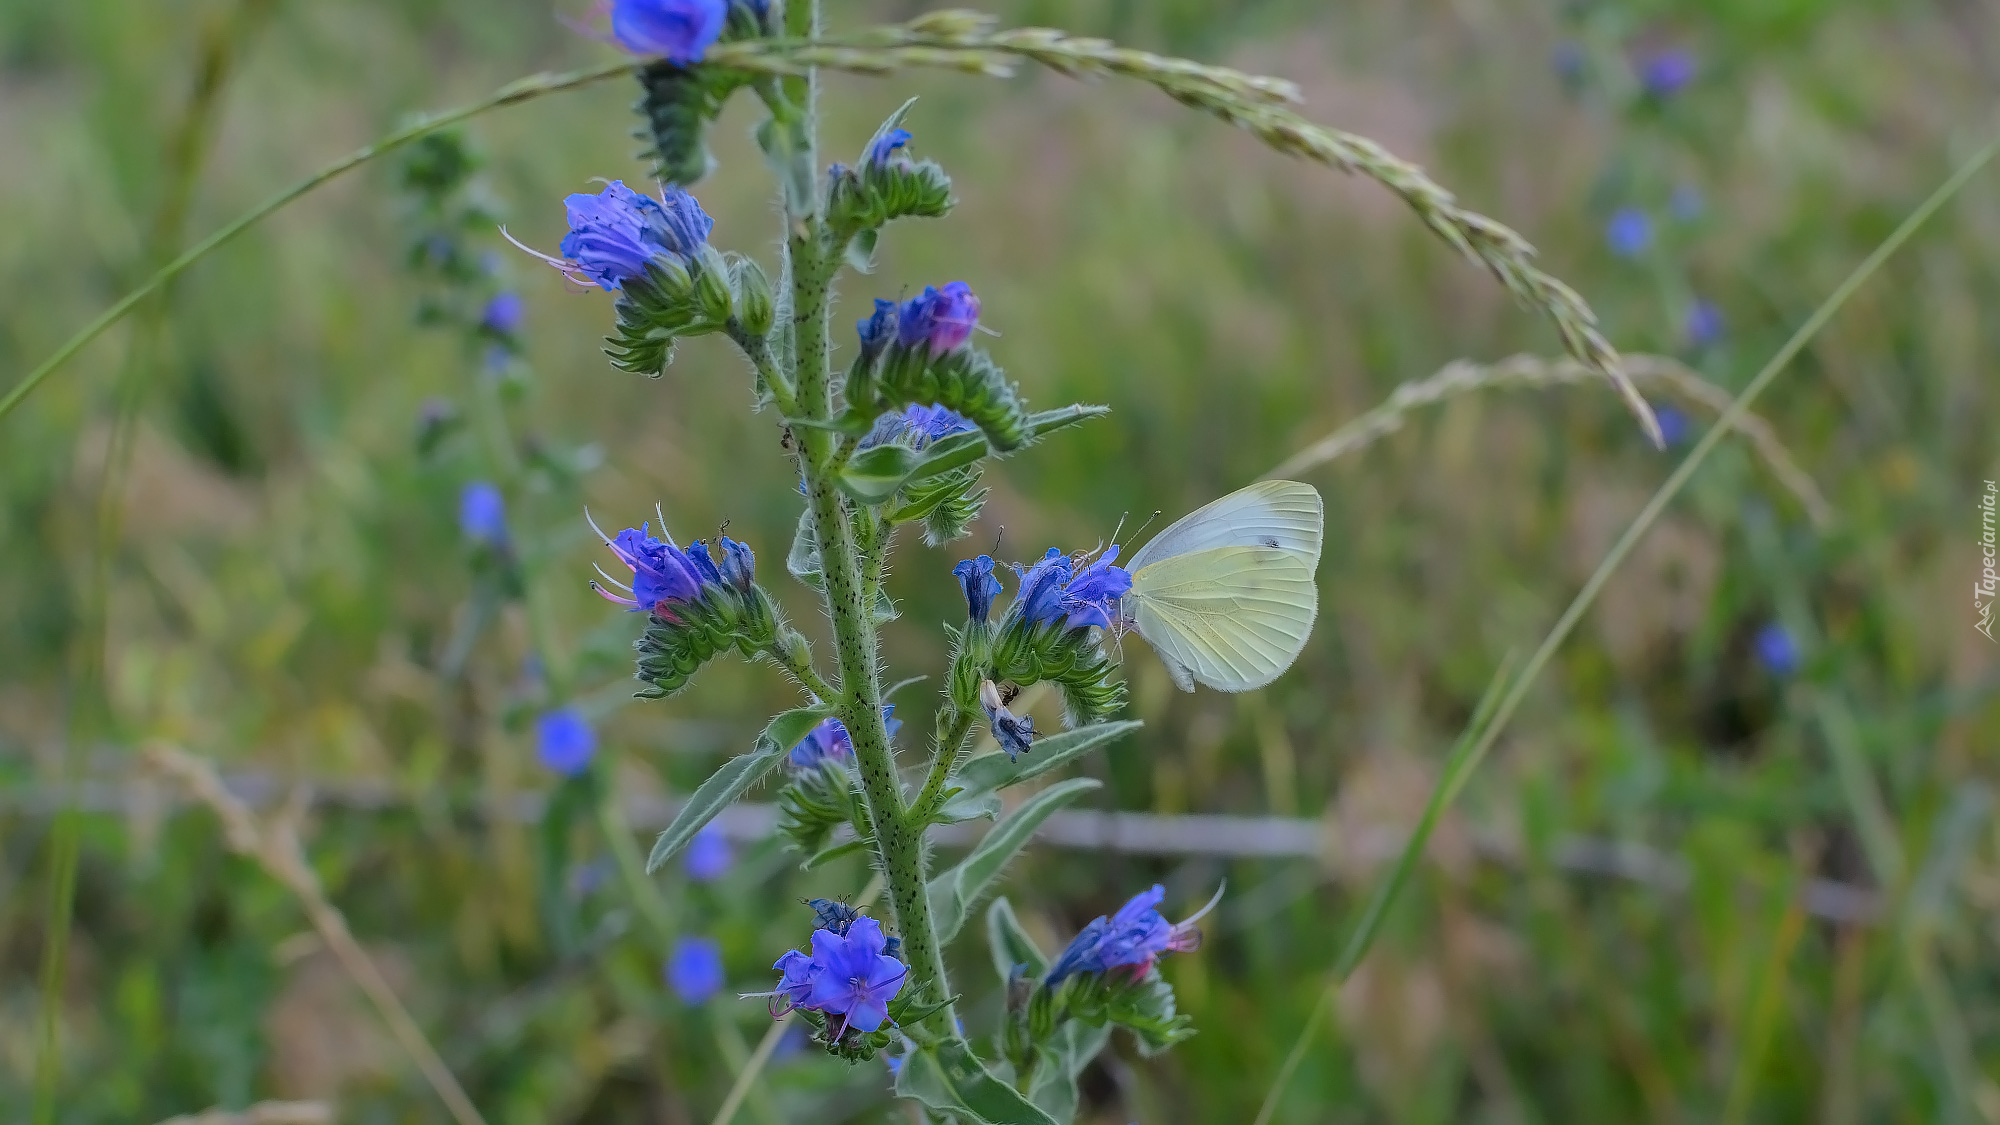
x=1226 y=594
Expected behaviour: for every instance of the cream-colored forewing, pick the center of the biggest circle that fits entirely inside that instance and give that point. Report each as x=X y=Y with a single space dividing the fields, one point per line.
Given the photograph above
x=1280 y=514
x=1233 y=618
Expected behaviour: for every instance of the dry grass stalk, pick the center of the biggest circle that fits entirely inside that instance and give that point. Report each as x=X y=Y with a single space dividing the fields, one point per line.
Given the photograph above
x=1464 y=376
x=275 y=847
x=263 y=1113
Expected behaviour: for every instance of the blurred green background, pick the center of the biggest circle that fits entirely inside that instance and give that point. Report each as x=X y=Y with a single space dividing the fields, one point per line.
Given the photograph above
x=1654 y=902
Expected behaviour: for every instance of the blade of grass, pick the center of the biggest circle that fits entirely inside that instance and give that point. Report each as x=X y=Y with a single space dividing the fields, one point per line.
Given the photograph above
x=1453 y=780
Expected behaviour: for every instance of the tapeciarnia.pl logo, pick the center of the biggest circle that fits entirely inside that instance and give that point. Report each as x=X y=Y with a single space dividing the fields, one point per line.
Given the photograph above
x=1984 y=591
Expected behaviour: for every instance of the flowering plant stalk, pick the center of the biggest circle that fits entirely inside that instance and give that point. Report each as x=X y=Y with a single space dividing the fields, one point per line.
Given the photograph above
x=900 y=437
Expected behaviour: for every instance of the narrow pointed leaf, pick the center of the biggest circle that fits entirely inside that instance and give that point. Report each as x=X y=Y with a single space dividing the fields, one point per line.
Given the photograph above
x=949 y=1078
x=736 y=777
x=874 y=475
x=1010 y=943
x=954 y=892
x=994 y=772
x=952 y=451
x=1048 y=421
x=832 y=852
x=803 y=559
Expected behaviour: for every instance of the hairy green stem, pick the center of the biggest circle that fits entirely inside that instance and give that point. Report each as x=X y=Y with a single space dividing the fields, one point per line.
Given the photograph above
x=953 y=726
x=772 y=377
x=791 y=654
x=849 y=594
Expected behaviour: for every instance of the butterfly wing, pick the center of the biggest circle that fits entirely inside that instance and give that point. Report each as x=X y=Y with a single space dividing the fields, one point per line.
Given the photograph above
x=1233 y=617
x=1281 y=515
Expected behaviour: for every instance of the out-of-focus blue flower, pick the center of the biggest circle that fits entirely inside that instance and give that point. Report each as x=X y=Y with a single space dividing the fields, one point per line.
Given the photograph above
x=1629 y=233
x=856 y=980
x=1131 y=939
x=1704 y=323
x=661 y=571
x=829 y=741
x=503 y=313
x=943 y=318
x=708 y=855
x=1687 y=203
x=1776 y=650
x=482 y=513
x=694 y=970
x=1666 y=72
x=1014 y=733
x=564 y=741
x=884 y=146
x=975 y=577
x=1567 y=60
x=877 y=329
x=614 y=233
x=918 y=425
x=1674 y=425
x=681 y=30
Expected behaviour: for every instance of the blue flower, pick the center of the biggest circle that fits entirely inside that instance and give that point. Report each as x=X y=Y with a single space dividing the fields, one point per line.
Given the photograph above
x=1055 y=590
x=739 y=564
x=661 y=571
x=616 y=232
x=1673 y=424
x=1704 y=323
x=708 y=856
x=1776 y=650
x=975 y=577
x=1665 y=73
x=482 y=513
x=694 y=971
x=1131 y=939
x=943 y=318
x=1014 y=733
x=503 y=313
x=831 y=914
x=917 y=425
x=1093 y=593
x=681 y=30
x=884 y=146
x=829 y=741
x=1629 y=232
x=877 y=329
x=856 y=980
x=564 y=741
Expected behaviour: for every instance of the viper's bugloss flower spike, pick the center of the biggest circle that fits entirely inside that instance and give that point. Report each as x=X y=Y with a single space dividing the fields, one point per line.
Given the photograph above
x=679 y=30
x=564 y=742
x=616 y=233
x=1131 y=940
x=503 y=313
x=482 y=513
x=884 y=146
x=1014 y=733
x=916 y=425
x=661 y=571
x=1776 y=650
x=1093 y=592
x=694 y=970
x=942 y=318
x=877 y=329
x=708 y=856
x=975 y=577
x=1038 y=597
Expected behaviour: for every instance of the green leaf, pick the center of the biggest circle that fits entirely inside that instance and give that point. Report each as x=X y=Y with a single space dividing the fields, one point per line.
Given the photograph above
x=874 y=475
x=947 y=1077
x=953 y=892
x=827 y=855
x=960 y=806
x=1049 y=421
x=952 y=451
x=860 y=252
x=1010 y=944
x=850 y=422
x=1063 y=1058
x=735 y=778
x=803 y=559
x=990 y=773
